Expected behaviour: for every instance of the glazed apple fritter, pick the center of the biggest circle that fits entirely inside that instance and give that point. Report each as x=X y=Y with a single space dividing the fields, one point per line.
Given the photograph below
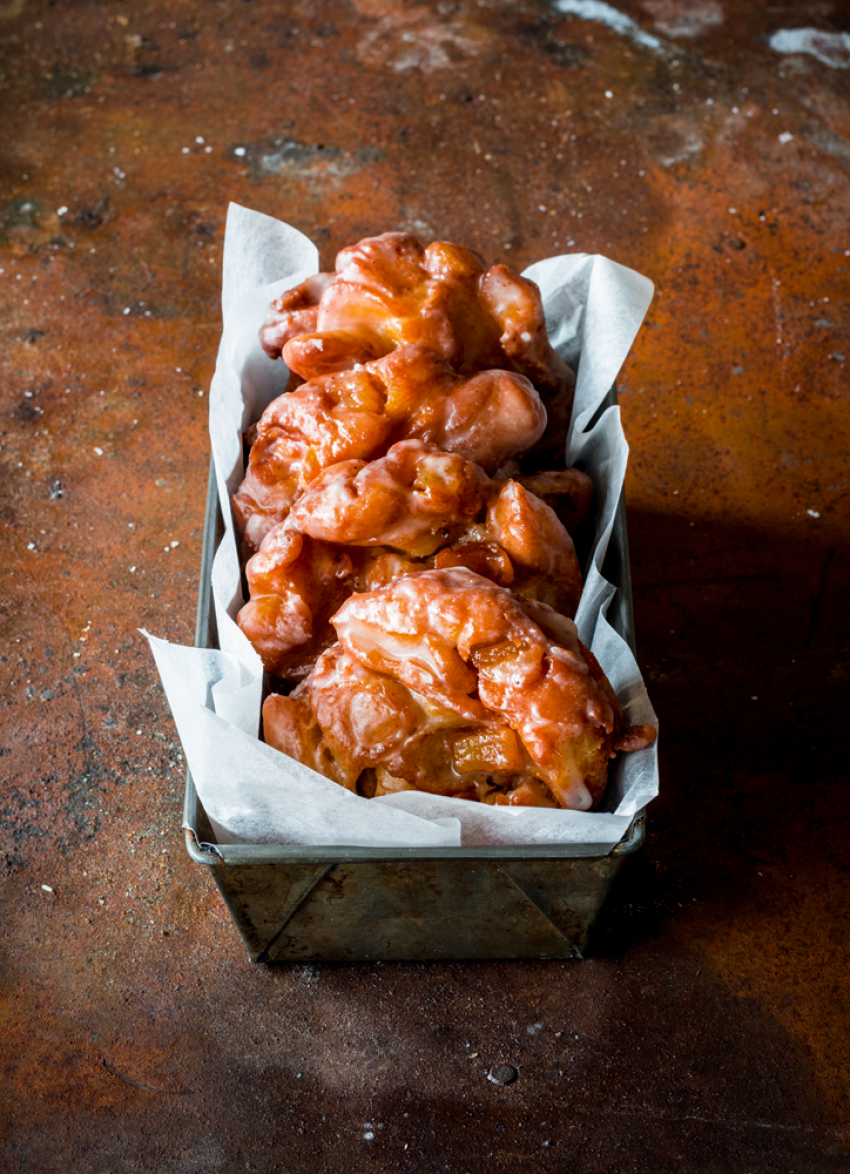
x=388 y=292
x=359 y=414
x=415 y=508
x=448 y=683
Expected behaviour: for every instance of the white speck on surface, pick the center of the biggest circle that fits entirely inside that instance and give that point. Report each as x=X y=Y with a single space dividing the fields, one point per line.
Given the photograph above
x=734 y=109
x=785 y=137
x=138 y=732
x=99 y=451
x=616 y=20
x=832 y=49
x=132 y=568
x=541 y=207
x=199 y=138
x=174 y=543
x=608 y=94
x=732 y=211
x=754 y=699
x=186 y=150
x=166 y=549
x=208 y=150
x=813 y=513
x=126 y=309
x=240 y=151
x=47 y=888
x=30 y=546
x=61 y=211
x=178 y=370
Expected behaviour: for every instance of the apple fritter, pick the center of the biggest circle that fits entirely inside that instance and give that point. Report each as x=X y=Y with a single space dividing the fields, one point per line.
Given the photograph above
x=365 y=523
x=444 y=682
x=357 y=415
x=388 y=291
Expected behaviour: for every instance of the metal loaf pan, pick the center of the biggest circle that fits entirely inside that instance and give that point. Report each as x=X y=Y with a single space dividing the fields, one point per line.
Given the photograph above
x=295 y=903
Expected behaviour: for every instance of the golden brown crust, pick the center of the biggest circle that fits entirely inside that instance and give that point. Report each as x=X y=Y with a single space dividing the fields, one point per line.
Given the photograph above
x=408 y=499
x=388 y=292
x=294 y=312
x=569 y=492
x=296 y=585
x=441 y=682
x=414 y=509
x=359 y=414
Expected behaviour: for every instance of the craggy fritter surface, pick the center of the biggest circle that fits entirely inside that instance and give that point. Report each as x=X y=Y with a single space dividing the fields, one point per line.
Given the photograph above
x=388 y=291
x=445 y=682
x=412 y=392
x=360 y=525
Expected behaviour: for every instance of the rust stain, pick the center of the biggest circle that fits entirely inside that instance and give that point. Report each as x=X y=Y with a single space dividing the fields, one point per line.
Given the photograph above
x=710 y=1028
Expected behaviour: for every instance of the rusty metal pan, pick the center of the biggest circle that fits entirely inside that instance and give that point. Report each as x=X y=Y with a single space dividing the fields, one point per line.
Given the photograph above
x=300 y=903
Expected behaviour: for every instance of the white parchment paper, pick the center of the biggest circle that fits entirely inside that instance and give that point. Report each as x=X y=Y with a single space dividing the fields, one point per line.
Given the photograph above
x=252 y=793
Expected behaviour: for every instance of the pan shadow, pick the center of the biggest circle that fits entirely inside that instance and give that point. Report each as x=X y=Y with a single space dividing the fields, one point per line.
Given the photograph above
x=743 y=636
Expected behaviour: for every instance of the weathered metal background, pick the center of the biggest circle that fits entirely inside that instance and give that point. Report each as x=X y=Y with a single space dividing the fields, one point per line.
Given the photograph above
x=709 y=1032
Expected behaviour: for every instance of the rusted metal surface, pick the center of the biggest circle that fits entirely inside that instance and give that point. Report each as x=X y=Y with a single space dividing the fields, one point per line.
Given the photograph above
x=709 y=1032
